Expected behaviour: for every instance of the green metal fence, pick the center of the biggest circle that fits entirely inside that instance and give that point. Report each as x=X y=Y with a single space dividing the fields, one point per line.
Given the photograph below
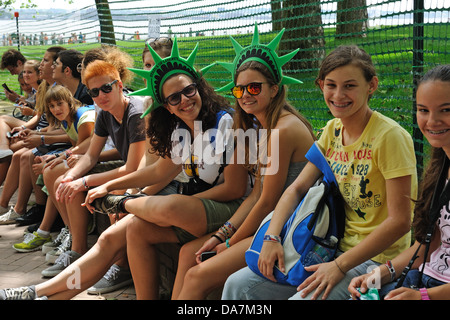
x=405 y=39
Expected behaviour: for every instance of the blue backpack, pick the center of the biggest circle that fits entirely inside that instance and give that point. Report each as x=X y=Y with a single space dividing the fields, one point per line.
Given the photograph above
x=311 y=234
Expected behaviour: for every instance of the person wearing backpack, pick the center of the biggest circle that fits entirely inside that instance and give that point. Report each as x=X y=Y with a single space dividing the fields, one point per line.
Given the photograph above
x=433 y=119
x=261 y=103
x=372 y=158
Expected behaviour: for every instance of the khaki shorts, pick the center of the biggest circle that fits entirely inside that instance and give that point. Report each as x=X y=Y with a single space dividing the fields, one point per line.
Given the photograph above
x=217 y=213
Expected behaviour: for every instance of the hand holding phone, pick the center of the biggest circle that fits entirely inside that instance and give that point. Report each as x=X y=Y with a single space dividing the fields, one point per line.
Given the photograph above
x=6 y=88
x=206 y=255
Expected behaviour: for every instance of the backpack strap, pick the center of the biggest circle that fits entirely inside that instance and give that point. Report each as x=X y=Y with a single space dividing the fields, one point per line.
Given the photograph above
x=315 y=156
x=441 y=196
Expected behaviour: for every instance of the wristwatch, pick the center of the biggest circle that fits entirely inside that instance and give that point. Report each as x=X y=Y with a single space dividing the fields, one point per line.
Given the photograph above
x=424 y=294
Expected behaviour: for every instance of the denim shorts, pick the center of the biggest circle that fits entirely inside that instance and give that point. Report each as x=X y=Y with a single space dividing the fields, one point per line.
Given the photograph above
x=411 y=281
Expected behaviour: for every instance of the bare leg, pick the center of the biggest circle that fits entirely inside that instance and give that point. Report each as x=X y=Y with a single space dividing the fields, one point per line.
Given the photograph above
x=91 y=267
x=25 y=184
x=143 y=257
x=212 y=273
x=12 y=178
x=78 y=221
x=182 y=211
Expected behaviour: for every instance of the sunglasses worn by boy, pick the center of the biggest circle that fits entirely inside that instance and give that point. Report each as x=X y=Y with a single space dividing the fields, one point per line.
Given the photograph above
x=253 y=88
x=188 y=92
x=106 y=88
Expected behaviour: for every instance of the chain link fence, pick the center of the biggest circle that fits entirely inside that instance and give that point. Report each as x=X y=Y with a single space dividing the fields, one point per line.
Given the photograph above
x=405 y=38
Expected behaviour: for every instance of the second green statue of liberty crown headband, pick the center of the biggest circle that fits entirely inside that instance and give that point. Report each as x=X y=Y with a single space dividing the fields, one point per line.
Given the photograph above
x=264 y=54
x=162 y=70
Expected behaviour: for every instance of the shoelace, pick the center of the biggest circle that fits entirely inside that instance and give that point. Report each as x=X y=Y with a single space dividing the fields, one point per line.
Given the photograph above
x=28 y=238
x=112 y=273
x=23 y=293
x=61 y=235
x=64 y=259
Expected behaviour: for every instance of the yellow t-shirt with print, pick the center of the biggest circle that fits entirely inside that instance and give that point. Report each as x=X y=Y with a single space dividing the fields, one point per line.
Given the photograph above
x=383 y=151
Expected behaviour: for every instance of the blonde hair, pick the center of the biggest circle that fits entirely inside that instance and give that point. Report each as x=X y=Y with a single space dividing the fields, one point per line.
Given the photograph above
x=60 y=93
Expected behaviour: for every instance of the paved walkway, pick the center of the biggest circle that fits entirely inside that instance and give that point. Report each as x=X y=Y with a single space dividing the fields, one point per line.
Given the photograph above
x=20 y=269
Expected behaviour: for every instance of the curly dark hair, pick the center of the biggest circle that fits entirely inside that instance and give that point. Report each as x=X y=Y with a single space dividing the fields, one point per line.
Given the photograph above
x=162 y=123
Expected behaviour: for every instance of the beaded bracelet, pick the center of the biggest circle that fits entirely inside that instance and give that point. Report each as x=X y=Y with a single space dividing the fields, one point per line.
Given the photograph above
x=269 y=237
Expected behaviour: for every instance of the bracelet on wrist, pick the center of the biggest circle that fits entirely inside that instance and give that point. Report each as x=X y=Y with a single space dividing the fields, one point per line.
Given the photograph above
x=217 y=237
x=227 y=242
x=85 y=183
x=272 y=238
x=424 y=294
x=42 y=140
x=391 y=269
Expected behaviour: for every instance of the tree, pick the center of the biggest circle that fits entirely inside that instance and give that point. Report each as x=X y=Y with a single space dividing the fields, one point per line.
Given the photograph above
x=303 y=22
x=351 y=19
x=106 y=22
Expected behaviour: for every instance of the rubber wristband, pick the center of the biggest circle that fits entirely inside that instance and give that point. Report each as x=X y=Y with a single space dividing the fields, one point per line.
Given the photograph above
x=391 y=269
x=269 y=237
x=424 y=294
x=227 y=242
x=85 y=183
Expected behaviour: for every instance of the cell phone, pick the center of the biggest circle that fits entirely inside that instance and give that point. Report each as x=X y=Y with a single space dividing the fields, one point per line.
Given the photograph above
x=206 y=255
x=11 y=135
x=6 y=88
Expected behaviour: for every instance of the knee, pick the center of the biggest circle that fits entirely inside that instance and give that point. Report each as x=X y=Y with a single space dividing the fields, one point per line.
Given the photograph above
x=194 y=277
x=107 y=239
x=135 y=230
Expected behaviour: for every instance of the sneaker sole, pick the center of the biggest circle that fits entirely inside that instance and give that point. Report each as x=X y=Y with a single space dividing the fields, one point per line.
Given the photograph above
x=27 y=250
x=50 y=258
x=50 y=274
x=47 y=249
x=93 y=290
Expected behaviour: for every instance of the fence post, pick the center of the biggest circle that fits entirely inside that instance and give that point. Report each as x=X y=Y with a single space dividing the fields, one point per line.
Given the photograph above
x=417 y=69
x=16 y=14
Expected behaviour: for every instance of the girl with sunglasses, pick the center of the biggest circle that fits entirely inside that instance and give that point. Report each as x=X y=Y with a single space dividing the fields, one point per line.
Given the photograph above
x=377 y=188
x=260 y=103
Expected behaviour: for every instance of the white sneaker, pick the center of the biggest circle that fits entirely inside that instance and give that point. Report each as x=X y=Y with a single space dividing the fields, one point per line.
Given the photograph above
x=9 y=217
x=5 y=153
x=4 y=209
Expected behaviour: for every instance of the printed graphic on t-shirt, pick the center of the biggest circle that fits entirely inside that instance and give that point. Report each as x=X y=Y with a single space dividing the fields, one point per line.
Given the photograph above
x=353 y=171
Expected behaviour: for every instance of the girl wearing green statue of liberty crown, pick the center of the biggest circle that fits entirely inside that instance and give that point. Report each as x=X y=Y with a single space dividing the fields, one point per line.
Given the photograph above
x=259 y=88
x=377 y=188
x=180 y=212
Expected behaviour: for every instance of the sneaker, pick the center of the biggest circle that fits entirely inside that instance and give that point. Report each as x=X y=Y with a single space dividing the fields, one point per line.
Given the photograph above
x=112 y=203
x=4 y=209
x=63 y=261
x=22 y=293
x=51 y=245
x=32 y=242
x=115 y=278
x=9 y=217
x=65 y=246
x=34 y=215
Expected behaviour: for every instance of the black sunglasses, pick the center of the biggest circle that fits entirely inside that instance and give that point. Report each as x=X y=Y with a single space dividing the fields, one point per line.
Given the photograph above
x=188 y=92
x=106 y=88
x=253 y=88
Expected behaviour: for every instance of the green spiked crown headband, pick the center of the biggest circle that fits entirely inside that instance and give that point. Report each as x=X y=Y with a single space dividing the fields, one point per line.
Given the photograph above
x=162 y=70
x=264 y=54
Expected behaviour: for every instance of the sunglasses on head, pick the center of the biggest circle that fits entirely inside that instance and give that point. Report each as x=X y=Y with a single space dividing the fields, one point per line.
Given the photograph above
x=159 y=41
x=253 y=88
x=106 y=88
x=188 y=92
